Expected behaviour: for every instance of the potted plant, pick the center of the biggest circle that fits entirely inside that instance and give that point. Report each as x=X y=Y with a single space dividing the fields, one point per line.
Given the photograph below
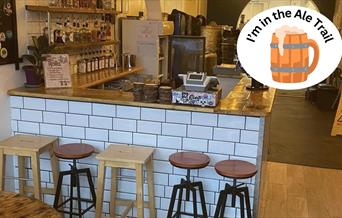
x=34 y=71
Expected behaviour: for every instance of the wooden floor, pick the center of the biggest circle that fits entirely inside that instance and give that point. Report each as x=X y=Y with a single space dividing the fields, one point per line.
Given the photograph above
x=300 y=191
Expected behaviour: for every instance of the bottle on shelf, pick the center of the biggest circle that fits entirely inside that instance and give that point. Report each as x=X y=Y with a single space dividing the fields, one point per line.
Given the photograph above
x=106 y=59
x=111 y=59
x=57 y=33
x=82 y=65
x=76 y=3
x=89 y=62
x=107 y=4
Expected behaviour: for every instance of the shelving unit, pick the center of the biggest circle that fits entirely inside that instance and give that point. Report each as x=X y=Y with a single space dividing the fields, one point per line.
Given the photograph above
x=77 y=46
x=36 y=8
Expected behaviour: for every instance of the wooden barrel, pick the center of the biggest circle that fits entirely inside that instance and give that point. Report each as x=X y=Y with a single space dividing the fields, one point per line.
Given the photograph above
x=293 y=65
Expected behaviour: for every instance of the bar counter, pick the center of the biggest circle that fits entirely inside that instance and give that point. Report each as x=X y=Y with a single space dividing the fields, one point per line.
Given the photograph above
x=235 y=129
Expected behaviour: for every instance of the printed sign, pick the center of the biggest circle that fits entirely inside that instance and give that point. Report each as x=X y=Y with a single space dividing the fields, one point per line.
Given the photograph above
x=57 y=71
x=289 y=47
x=337 y=127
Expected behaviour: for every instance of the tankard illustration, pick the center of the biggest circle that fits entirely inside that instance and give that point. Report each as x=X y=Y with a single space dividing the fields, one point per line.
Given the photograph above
x=290 y=55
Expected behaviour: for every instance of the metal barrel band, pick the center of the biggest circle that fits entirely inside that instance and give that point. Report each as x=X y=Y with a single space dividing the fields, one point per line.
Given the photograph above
x=291 y=46
x=290 y=69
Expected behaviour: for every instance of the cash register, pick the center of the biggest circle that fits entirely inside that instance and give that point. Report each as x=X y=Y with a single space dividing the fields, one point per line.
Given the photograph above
x=197 y=89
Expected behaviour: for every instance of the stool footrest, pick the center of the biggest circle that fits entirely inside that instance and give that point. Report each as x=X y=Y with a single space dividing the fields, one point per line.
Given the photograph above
x=188 y=214
x=72 y=213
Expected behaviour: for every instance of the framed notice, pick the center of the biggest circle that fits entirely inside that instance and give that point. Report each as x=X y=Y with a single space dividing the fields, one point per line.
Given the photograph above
x=57 y=71
x=8 y=32
x=337 y=127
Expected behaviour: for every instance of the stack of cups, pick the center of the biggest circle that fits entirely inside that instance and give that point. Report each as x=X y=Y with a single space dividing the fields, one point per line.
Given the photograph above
x=165 y=94
x=138 y=91
x=151 y=92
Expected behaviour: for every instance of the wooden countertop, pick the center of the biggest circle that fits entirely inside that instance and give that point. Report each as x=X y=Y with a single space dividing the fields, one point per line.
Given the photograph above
x=239 y=101
x=99 y=77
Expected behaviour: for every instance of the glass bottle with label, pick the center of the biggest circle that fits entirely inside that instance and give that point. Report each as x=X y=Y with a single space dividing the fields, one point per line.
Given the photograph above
x=106 y=59
x=57 y=33
x=89 y=63
x=111 y=59
x=82 y=65
x=76 y=3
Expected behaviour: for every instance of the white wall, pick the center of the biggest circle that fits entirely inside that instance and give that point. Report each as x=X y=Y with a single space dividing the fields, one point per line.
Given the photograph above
x=10 y=78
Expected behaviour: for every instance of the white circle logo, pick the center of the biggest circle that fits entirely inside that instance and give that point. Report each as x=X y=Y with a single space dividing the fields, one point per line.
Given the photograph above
x=289 y=47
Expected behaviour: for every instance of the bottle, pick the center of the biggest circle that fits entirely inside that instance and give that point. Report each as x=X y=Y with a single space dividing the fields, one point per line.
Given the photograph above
x=53 y=3
x=106 y=59
x=107 y=4
x=111 y=59
x=89 y=62
x=82 y=65
x=76 y=4
x=57 y=33
x=96 y=59
x=101 y=60
x=69 y=3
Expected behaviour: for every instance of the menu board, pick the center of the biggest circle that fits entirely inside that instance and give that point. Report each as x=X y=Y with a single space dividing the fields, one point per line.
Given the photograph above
x=337 y=127
x=8 y=32
x=57 y=71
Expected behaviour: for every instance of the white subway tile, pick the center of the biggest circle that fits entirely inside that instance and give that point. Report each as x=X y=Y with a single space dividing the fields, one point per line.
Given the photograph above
x=164 y=204
x=221 y=147
x=210 y=185
x=28 y=127
x=250 y=137
x=97 y=134
x=105 y=110
x=57 y=105
x=205 y=119
x=229 y=212
x=195 y=144
x=120 y=137
x=128 y=112
x=209 y=172
x=101 y=122
x=161 y=178
x=248 y=159
x=15 y=114
x=161 y=213
x=124 y=124
x=63 y=141
x=175 y=179
x=214 y=158
x=162 y=166
x=178 y=117
x=246 y=150
x=230 y=135
x=183 y=172
x=79 y=107
x=31 y=115
x=34 y=103
x=16 y=101
x=144 y=139
x=73 y=132
x=163 y=154
x=77 y=120
x=252 y=123
x=149 y=127
x=54 y=118
x=99 y=146
x=169 y=142
x=158 y=190
x=173 y=129
x=14 y=125
x=231 y=121
x=201 y=132
x=153 y=114
x=50 y=129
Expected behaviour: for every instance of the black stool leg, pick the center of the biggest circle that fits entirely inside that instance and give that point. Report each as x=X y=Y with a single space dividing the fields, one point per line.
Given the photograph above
x=58 y=190
x=172 y=201
x=201 y=192
x=71 y=192
x=219 y=204
x=180 y=198
x=194 y=201
x=224 y=202
x=248 y=204
x=78 y=195
x=233 y=194
x=242 y=207
x=91 y=185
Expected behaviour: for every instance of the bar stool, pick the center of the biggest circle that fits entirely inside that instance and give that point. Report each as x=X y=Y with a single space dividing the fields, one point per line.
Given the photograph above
x=131 y=157
x=188 y=161
x=29 y=146
x=74 y=152
x=234 y=169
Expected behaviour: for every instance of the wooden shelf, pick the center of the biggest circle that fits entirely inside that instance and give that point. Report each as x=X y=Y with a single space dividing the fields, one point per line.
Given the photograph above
x=69 y=10
x=88 y=80
x=84 y=45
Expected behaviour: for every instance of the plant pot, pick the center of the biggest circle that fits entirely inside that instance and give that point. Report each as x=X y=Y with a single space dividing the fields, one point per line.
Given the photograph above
x=32 y=77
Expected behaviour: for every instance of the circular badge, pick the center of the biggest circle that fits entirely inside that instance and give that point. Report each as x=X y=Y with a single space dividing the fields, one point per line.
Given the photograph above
x=2 y=37
x=3 y=53
x=9 y=34
x=289 y=47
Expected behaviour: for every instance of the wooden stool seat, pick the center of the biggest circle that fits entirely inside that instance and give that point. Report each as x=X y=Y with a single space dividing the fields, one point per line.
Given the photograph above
x=74 y=151
x=131 y=157
x=189 y=160
x=235 y=169
x=24 y=146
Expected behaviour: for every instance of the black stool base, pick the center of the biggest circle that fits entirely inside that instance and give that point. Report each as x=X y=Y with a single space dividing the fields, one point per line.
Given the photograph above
x=189 y=187
x=74 y=182
x=235 y=190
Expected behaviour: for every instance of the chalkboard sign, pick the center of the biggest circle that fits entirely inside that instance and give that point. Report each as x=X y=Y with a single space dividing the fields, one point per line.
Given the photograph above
x=8 y=32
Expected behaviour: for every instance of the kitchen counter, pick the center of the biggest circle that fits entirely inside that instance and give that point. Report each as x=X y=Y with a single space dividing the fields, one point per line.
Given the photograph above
x=239 y=101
